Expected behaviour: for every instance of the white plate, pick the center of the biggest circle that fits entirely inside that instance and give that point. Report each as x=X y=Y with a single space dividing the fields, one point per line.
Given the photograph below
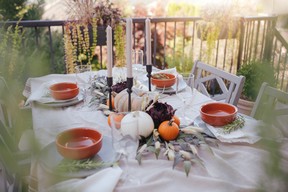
x=171 y=90
x=50 y=159
x=62 y=103
x=200 y=123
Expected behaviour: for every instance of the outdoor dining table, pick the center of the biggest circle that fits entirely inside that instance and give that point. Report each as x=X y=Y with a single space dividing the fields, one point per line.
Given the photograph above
x=226 y=166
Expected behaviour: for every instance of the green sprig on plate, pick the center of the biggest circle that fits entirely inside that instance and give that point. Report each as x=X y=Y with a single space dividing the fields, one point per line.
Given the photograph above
x=238 y=123
x=76 y=165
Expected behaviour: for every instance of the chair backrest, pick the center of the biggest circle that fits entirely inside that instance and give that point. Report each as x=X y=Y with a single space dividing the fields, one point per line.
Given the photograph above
x=209 y=78
x=271 y=106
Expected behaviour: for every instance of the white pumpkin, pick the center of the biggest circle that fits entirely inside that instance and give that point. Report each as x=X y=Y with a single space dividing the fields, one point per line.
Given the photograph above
x=137 y=123
x=138 y=98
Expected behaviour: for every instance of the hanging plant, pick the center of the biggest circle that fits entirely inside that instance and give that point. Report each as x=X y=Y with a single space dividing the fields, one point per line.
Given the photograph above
x=87 y=30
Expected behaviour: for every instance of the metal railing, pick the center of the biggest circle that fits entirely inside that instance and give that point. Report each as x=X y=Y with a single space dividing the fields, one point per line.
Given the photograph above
x=175 y=42
x=279 y=56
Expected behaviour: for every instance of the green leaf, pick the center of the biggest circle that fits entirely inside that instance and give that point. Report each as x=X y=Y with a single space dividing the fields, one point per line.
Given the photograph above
x=187 y=167
x=200 y=137
x=208 y=148
x=150 y=140
x=177 y=159
x=151 y=149
x=139 y=158
x=157 y=152
x=198 y=161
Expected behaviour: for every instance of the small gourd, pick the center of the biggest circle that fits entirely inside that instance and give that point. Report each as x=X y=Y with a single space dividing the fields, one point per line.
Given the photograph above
x=168 y=130
x=176 y=120
x=116 y=118
x=137 y=123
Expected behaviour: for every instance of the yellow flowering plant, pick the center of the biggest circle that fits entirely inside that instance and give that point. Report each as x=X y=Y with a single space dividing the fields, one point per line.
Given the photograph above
x=82 y=32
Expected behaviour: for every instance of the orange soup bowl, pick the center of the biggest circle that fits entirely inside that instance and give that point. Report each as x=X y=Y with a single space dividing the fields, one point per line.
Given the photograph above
x=64 y=90
x=218 y=114
x=163 y=80
x=79 y=143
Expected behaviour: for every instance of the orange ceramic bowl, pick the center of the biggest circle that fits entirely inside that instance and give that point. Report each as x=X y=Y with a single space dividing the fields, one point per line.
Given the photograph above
x=79 y=143
x=64 y=91
x=163 y=83
x=218 y=114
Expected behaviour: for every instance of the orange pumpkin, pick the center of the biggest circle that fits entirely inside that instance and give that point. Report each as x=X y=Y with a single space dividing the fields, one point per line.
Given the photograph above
x=112 y=101
x=117 y=119
x=176 y=120
x=168 y=130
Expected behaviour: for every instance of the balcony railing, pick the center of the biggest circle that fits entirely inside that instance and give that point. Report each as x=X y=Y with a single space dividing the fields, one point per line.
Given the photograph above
x=176 y=43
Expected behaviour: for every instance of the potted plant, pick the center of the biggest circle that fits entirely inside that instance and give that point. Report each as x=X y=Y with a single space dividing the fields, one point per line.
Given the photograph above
x=256 y=72
x=86 y=29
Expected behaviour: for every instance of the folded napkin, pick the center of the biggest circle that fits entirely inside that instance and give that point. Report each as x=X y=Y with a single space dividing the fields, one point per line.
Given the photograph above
x=42 y=94
x=247 y=134
x=104 y=180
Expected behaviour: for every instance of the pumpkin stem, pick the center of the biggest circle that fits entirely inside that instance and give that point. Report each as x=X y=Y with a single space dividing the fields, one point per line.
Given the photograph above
x=136 y=114
x=171 y=121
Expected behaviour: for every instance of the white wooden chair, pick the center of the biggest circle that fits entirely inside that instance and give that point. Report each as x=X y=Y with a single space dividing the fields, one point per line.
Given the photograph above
x=271 y=106
x=207 y=77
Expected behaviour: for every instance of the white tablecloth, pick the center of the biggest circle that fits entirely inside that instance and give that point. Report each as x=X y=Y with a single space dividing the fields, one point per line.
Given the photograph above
x=231 y=167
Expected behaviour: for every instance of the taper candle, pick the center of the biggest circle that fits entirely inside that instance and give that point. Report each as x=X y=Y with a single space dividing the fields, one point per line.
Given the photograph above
x=109 y=51
x=148 y=41
x=129 y=46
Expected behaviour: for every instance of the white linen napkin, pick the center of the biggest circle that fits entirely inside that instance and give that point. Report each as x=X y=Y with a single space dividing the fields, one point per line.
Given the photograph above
x=104 y=180
x=247 y=134
x=42 y=94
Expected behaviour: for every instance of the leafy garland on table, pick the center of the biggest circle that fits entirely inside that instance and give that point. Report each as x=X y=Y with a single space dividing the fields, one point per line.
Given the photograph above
x=183 y=149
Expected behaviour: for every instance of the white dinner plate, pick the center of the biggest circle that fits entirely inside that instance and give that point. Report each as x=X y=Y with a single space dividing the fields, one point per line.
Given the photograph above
x=50 y=159
x=62 y=103
x=200 y=123
x=171 y=90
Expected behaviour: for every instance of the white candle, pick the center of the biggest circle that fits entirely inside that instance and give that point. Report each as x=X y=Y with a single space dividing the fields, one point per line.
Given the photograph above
x=129 y=46
x=109 y=51
x=148 y=41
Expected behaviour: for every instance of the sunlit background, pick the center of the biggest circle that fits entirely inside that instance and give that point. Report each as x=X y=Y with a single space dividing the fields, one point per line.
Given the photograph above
x=55 y=9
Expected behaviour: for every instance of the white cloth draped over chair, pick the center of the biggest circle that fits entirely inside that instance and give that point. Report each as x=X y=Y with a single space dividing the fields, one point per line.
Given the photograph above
x=207 y=76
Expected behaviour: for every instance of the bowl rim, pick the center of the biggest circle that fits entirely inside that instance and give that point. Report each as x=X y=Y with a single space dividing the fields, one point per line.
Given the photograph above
x=174 y=77
x=213 y=115
x=78 y=128
x=70 y=83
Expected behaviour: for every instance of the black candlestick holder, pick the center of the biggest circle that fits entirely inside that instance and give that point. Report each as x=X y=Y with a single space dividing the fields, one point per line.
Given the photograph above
x=149 y=70
x=129 y=90
x=110 y=83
